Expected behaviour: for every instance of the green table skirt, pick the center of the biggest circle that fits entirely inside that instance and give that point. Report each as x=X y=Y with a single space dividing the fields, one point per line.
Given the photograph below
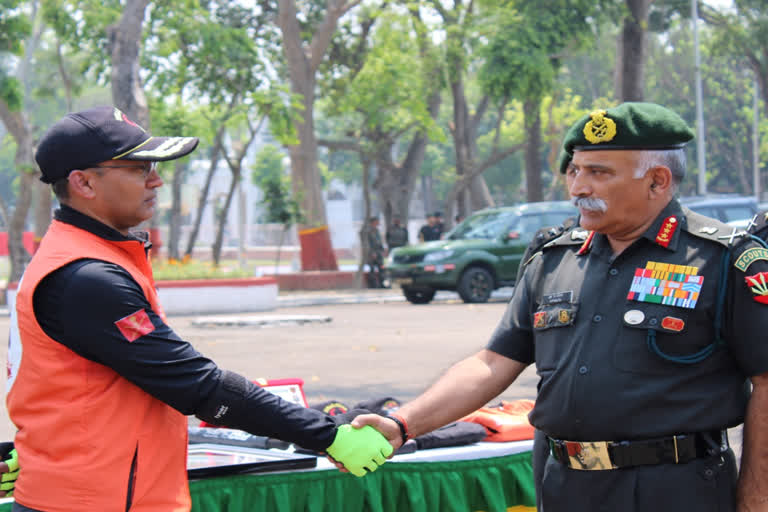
x=496 y=484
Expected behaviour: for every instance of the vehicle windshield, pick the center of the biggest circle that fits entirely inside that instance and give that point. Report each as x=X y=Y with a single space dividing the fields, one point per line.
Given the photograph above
x=483 y=225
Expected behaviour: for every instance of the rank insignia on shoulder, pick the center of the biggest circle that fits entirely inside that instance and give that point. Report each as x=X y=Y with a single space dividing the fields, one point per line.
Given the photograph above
x=667 y=284
x=667 y=231
x=757 y=283
x=750 y=256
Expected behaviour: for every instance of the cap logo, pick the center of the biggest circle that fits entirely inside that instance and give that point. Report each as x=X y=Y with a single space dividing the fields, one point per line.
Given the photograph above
x=600 y=128
x=119 y=116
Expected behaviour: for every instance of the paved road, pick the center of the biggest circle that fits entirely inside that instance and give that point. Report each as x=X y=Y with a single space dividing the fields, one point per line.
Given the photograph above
x=381 y=347
x=366 y=351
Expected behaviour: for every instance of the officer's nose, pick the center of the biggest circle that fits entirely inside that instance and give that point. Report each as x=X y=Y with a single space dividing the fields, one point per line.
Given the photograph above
x=578 y=186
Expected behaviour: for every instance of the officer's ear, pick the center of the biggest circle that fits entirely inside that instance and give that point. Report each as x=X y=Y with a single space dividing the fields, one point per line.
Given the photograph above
x=81 y=184
x=659 y=181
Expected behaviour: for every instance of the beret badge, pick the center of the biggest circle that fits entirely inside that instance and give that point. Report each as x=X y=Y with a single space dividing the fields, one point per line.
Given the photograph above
x=599 y=128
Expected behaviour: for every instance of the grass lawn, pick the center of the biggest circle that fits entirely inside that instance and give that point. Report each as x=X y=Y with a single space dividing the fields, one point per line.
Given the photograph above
x=196 y=269
x=193 y=269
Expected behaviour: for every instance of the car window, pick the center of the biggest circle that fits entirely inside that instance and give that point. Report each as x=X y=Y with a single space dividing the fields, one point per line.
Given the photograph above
x=493 y=228
x=472 y=223
x=740 y=212
x=486 y=225
x=530 y=224
x=708 y=211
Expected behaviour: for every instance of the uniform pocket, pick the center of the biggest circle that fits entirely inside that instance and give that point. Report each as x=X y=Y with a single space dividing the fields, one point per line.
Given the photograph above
x=653 y=334
x=550 y=339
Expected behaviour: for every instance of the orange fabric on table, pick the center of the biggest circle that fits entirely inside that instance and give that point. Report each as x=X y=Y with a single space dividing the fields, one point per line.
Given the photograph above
x=507 y=422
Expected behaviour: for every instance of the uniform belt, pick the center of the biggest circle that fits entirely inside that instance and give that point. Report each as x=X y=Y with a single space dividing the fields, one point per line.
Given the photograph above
x=677 y=449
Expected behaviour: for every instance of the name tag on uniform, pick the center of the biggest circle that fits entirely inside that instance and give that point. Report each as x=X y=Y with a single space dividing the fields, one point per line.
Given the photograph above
x=557 y=298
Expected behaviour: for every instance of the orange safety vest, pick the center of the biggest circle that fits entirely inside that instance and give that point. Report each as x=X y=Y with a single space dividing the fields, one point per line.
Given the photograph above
x=86 y=434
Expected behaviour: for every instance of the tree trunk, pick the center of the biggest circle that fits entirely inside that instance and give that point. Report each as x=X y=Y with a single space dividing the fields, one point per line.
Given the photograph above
x=16 y=124
x=18 y=254
x=314 y=237
x=203 y=200
x=43 y=202
x=174 y=224
x=463 y=144
x=532 y=113
x=633 y=45
x=125 y=45
x=480 y=196
x=222 y=220
x=366 y=163
x=741 y=171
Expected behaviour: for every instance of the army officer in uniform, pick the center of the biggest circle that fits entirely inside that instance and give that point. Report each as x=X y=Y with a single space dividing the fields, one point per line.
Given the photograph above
x=647 y=324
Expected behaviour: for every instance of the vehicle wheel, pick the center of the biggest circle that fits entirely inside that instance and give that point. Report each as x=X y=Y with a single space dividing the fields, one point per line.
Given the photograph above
x=418 y=295
x=475 y=285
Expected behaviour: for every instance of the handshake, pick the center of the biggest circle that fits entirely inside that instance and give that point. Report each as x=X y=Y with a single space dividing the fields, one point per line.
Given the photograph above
x=360 y=447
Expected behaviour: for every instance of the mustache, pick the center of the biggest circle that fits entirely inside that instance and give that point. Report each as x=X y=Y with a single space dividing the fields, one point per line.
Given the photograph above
x=589 y=203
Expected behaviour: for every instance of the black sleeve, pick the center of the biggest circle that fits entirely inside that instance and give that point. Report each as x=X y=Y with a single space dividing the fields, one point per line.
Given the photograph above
x=513 y=336
x=746 y=312
x=99 y=311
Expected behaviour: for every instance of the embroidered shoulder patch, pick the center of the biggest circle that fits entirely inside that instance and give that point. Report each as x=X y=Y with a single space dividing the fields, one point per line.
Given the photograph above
x=749 y=256
x=136 y=325
x=666 y=283
x=757 y=283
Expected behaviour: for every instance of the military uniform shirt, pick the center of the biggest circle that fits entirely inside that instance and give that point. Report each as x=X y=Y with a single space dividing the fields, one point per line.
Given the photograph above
x=599 y=380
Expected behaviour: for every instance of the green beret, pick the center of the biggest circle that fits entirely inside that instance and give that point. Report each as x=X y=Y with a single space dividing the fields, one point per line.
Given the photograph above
x=628 y=126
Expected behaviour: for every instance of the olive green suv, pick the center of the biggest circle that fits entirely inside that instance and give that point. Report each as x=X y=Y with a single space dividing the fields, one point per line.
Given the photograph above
x=478 y=256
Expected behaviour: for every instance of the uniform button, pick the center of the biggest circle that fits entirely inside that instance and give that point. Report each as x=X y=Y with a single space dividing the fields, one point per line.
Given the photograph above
x=597 y=318
x=583 y=370
x=613 y=271
x=654 y=321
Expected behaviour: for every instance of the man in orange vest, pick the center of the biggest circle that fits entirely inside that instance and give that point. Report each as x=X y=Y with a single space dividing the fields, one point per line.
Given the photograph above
x=99 y=384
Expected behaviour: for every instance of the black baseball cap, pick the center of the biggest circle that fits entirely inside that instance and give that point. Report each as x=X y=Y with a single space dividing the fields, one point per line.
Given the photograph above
x=82 y=139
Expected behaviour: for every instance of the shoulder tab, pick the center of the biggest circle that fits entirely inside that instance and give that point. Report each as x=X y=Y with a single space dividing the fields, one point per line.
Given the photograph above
x=546 y=235
x=575 y=236
x=710 y=229
x=758 y=226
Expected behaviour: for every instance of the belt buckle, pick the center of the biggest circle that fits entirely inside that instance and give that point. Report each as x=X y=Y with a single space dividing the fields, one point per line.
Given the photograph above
x=588 y=455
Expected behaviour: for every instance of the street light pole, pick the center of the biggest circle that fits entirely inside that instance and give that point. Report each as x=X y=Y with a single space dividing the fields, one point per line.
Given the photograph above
x=700 y=152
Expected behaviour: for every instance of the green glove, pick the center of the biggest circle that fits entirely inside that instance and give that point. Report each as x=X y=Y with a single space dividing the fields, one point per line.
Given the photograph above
x=8 y=478
x=360 y=449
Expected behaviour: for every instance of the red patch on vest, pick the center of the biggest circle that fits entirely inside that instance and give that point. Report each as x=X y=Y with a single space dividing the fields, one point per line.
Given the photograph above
x=667 y=230
x=135 y=326
x=672 y=324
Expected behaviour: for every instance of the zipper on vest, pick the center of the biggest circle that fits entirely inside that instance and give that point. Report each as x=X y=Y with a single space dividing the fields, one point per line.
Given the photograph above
x=132 y=480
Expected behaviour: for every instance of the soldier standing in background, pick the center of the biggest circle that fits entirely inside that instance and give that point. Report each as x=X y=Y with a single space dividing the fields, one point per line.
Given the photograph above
x=375 y=255
x=397 y=235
